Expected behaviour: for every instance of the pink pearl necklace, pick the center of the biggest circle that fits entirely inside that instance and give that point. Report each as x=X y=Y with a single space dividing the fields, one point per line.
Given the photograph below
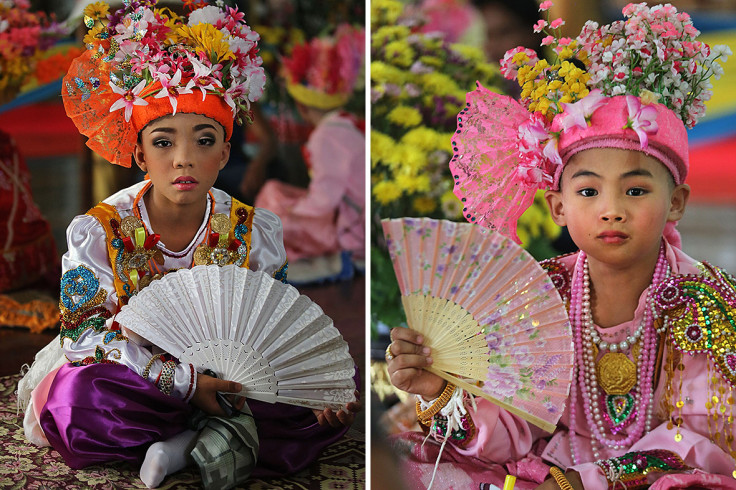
x=583 y=328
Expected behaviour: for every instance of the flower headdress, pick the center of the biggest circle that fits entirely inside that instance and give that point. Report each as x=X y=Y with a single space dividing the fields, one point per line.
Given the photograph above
x=23 y=36
x=633 y=84
x=323 y=72
x=143 y=63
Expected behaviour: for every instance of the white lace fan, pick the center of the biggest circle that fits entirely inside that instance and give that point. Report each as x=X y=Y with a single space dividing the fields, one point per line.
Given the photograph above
x=495 y=322
x=250 y=328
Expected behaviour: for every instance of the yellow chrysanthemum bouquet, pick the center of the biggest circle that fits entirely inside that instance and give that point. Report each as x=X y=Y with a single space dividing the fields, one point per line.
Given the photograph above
x=418 y=86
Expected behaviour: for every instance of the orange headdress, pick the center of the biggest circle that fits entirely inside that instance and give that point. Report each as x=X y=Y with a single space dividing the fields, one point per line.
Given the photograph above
x=143 y=63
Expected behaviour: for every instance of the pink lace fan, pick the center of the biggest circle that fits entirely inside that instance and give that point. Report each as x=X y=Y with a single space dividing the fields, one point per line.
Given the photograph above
x=485 y=161
x=488 y=311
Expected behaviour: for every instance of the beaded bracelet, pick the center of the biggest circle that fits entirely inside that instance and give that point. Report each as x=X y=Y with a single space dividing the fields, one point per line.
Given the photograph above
x=191 y=381
x=426 y=416
x=560 y=478
x=167 y=377
x=147 y=369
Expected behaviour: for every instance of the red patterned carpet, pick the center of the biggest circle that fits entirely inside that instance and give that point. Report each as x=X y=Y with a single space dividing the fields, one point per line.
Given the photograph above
x=23 y=465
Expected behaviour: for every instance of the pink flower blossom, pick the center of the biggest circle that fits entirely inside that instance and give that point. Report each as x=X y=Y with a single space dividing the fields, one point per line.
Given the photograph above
x=541 y=24
x=202 y=78
x=171 y=89
x=544 y=6
x=551 y=152
x=565 y=41
x=557 y=23
x=577 y=114
x=548 y=40
x=129 y=98
x=532 y=176
x=642 y=119
x=532 y=133
x=234 y=92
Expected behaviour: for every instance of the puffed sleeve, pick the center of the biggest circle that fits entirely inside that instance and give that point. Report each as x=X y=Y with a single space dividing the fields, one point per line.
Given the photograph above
x=267 y=244
x=88 y=305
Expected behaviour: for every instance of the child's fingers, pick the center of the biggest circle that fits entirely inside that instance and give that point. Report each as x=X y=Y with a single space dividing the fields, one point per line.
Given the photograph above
x=399 y=347
x=226 y=386
x=332 y=418
x=345 y=417
x=401 y=333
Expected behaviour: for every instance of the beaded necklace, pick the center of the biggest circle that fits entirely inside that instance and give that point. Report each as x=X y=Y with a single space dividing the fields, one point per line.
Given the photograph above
x=195 y=240
x=585 y=356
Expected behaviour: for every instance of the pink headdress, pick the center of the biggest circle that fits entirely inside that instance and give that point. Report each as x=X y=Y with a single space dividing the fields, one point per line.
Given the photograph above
x=633 y=84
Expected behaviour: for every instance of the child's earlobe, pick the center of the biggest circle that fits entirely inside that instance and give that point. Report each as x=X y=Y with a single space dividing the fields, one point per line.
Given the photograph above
x=556 y=208
x=139 y=158
x=225 y=155
x=678 y=202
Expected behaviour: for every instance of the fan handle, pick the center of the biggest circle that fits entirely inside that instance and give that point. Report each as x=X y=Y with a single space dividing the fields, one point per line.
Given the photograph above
x=542 y=424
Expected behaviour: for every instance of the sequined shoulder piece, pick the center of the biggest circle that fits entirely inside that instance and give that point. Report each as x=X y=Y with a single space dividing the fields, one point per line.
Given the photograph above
x=700 y=316
x=559 y=274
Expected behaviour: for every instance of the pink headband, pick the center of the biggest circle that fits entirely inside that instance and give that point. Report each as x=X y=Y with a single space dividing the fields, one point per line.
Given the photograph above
x=610 y=126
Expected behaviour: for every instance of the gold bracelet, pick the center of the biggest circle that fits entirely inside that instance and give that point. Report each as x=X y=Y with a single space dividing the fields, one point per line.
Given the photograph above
x=560 y=478
x=148 y=366
x=442 y=400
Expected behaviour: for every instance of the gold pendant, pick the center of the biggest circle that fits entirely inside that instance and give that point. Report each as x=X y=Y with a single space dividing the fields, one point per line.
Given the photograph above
x=616 y=373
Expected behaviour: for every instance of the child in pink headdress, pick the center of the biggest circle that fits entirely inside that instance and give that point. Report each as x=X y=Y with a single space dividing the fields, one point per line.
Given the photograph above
x=329 y=217
x=603 y=129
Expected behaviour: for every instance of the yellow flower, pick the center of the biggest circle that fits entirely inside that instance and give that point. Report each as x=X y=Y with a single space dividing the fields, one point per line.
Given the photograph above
x=412 y=184
x=386 y=34
x=451 y=205
x=385 y=12
x=384 y=73
x=410 y=160
x=432 y=61
x=92 y=36
x=437 y=83
x=386 y=192
x=424 y=204
x=97 y=10
x=400 y=53
x=470 y=53
x=404 y=116
x=542 y=106
x=424 y=138
x=520 y=58
x=382 y=146
x=207 y=40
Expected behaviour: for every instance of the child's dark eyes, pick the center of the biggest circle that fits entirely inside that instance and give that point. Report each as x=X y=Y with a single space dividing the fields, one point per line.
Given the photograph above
x=206 y=141
x=636 y=192
x=162 y=143
x=588 y=192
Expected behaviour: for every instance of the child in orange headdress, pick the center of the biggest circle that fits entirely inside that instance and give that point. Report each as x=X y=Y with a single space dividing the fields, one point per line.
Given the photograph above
x=163 y=91
x=329 y=217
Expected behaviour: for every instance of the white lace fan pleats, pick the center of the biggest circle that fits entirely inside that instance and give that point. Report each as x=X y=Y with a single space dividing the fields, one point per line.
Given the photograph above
x=250 y=328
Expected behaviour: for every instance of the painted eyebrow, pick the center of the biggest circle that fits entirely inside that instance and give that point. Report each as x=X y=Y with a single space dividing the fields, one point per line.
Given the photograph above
x=639 y=172
x=584 y=173
x=198 y=127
